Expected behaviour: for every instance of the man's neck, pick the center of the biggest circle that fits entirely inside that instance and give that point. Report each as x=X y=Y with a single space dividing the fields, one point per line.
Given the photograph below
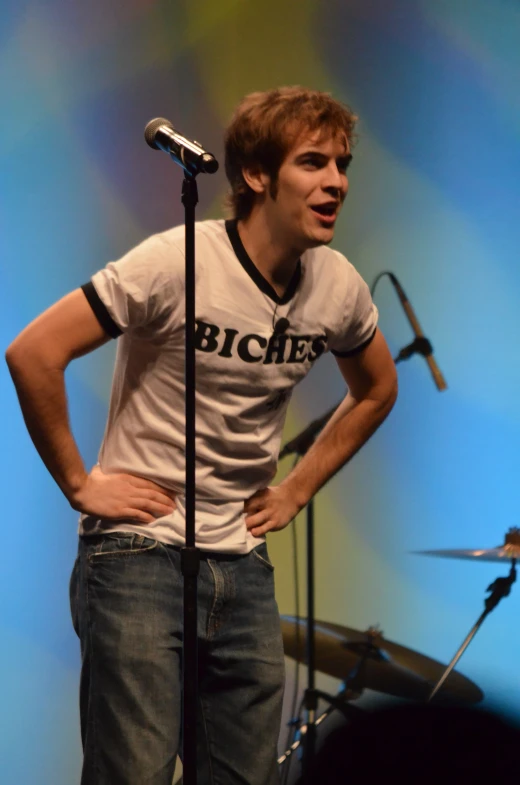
x=272 y=257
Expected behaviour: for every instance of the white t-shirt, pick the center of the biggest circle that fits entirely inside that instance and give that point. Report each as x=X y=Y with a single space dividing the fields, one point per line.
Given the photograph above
x=244 y=374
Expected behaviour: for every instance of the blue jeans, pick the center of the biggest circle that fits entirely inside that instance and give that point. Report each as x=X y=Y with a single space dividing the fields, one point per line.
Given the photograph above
x=126 y=602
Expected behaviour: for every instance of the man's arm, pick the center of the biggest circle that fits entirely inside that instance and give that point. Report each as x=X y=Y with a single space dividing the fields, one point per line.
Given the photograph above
x=37 y=360
x=372 y=390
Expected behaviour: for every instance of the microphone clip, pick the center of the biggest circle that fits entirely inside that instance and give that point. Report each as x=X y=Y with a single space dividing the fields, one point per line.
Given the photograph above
x=419 y=345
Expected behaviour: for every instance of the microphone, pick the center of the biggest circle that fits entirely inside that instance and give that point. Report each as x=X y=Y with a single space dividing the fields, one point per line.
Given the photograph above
x=281 y=326
x=421 y=344
x=161 y=135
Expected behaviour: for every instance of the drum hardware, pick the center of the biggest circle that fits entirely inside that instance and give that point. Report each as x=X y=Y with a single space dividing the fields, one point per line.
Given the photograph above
x=299 y=446
x=374 y=654
x=351 y=689
x=373 y=662
x=509 y=551
x=500 y=588
x=339 y=702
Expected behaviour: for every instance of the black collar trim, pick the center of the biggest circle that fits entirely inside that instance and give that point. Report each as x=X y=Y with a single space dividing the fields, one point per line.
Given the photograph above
x=253 y=271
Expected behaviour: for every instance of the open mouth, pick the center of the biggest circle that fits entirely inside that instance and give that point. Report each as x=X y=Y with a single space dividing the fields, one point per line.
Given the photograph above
x=327 y=212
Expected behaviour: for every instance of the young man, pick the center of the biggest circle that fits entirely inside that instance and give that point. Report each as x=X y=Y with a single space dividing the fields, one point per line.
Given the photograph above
x=271 y=298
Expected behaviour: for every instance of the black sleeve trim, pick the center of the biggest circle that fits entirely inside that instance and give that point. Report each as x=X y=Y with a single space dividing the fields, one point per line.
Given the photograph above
x=100 y=311
x=358 y=349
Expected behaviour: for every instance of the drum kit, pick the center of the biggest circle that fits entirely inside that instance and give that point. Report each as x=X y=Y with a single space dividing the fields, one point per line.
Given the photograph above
x=366 y=660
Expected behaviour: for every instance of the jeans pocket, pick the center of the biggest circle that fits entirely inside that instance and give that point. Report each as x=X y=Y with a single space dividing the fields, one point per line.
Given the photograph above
x=260 y=553
x=74 y=596
x=120 y=545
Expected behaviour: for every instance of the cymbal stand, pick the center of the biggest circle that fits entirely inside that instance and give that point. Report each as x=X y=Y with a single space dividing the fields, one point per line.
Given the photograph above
x=499 y=589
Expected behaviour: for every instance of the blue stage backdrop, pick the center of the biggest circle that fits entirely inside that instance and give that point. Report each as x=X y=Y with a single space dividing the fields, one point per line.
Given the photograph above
x=433 y=197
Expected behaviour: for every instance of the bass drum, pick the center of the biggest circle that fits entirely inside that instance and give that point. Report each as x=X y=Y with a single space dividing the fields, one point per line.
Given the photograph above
x=332 y=752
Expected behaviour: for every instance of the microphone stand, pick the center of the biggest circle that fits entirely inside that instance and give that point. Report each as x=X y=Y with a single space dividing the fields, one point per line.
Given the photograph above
x=310 y=700
x=300 y=445
x=161 y=135
x=190 y=555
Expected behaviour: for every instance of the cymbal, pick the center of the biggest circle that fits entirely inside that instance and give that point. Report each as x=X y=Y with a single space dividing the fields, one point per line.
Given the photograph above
x=389 y=667
x=507 y=552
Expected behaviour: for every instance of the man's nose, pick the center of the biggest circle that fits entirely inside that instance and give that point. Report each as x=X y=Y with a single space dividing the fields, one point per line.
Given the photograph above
x=335 y=180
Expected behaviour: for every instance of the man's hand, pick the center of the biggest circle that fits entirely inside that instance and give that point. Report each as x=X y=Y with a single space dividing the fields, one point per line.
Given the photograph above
x=269 y=509
x=122 y=496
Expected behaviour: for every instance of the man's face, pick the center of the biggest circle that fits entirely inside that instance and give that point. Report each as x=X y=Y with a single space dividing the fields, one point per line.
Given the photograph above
x=304 y=202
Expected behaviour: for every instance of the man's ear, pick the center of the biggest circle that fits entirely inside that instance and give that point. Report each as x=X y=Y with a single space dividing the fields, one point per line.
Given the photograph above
x=256 y=179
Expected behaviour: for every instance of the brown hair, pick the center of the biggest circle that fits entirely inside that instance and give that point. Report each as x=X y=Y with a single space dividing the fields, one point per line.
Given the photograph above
x=266 y=125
